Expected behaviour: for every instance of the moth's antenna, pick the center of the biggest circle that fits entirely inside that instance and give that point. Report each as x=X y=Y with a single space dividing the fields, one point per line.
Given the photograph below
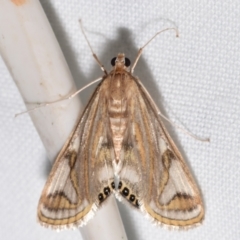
x=94 y=55
x=172 y=123
x=59 y=100
x=141 y=49
x=184 y=130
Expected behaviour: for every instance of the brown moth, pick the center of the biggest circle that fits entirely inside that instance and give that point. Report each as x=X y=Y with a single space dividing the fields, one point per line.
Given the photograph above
x=120 y=134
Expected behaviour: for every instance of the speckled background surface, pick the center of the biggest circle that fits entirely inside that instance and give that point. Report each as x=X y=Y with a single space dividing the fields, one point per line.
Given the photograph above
x=195 y=80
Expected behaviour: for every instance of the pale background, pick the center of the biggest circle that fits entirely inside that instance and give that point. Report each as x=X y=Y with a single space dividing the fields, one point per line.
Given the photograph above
x=194 y=79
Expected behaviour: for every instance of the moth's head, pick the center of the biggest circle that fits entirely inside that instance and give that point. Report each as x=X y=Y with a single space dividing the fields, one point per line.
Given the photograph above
x=120 y=62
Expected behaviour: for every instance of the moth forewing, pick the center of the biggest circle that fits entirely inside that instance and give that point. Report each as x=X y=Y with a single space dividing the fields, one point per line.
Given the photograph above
x=166 y=191
x=82 y=175
x=120 y=132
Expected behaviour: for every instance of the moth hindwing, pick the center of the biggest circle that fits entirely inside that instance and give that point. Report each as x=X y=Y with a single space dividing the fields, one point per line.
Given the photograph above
x=120 y=133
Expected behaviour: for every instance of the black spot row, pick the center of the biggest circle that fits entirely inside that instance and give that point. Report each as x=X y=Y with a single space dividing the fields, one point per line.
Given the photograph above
x=125 y=192
x=106 y=191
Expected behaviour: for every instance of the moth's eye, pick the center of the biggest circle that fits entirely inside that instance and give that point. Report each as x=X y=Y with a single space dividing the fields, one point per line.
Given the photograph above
x=127 y=62
x=113 y=61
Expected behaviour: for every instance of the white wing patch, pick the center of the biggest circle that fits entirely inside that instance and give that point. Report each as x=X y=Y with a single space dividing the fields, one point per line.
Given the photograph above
x=163 y=145
x=130 y=174
x=179 y=179
x=177 y=183
x=58 y=184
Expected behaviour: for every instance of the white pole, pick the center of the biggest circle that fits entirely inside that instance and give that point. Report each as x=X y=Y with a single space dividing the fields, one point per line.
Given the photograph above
x=33 y=56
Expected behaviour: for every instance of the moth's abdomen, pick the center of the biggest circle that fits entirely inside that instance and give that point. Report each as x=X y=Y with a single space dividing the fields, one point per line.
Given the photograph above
x=117 y=110
x=118 y=122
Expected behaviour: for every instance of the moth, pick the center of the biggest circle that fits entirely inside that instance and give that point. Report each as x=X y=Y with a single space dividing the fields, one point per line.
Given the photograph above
x=120 y=133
